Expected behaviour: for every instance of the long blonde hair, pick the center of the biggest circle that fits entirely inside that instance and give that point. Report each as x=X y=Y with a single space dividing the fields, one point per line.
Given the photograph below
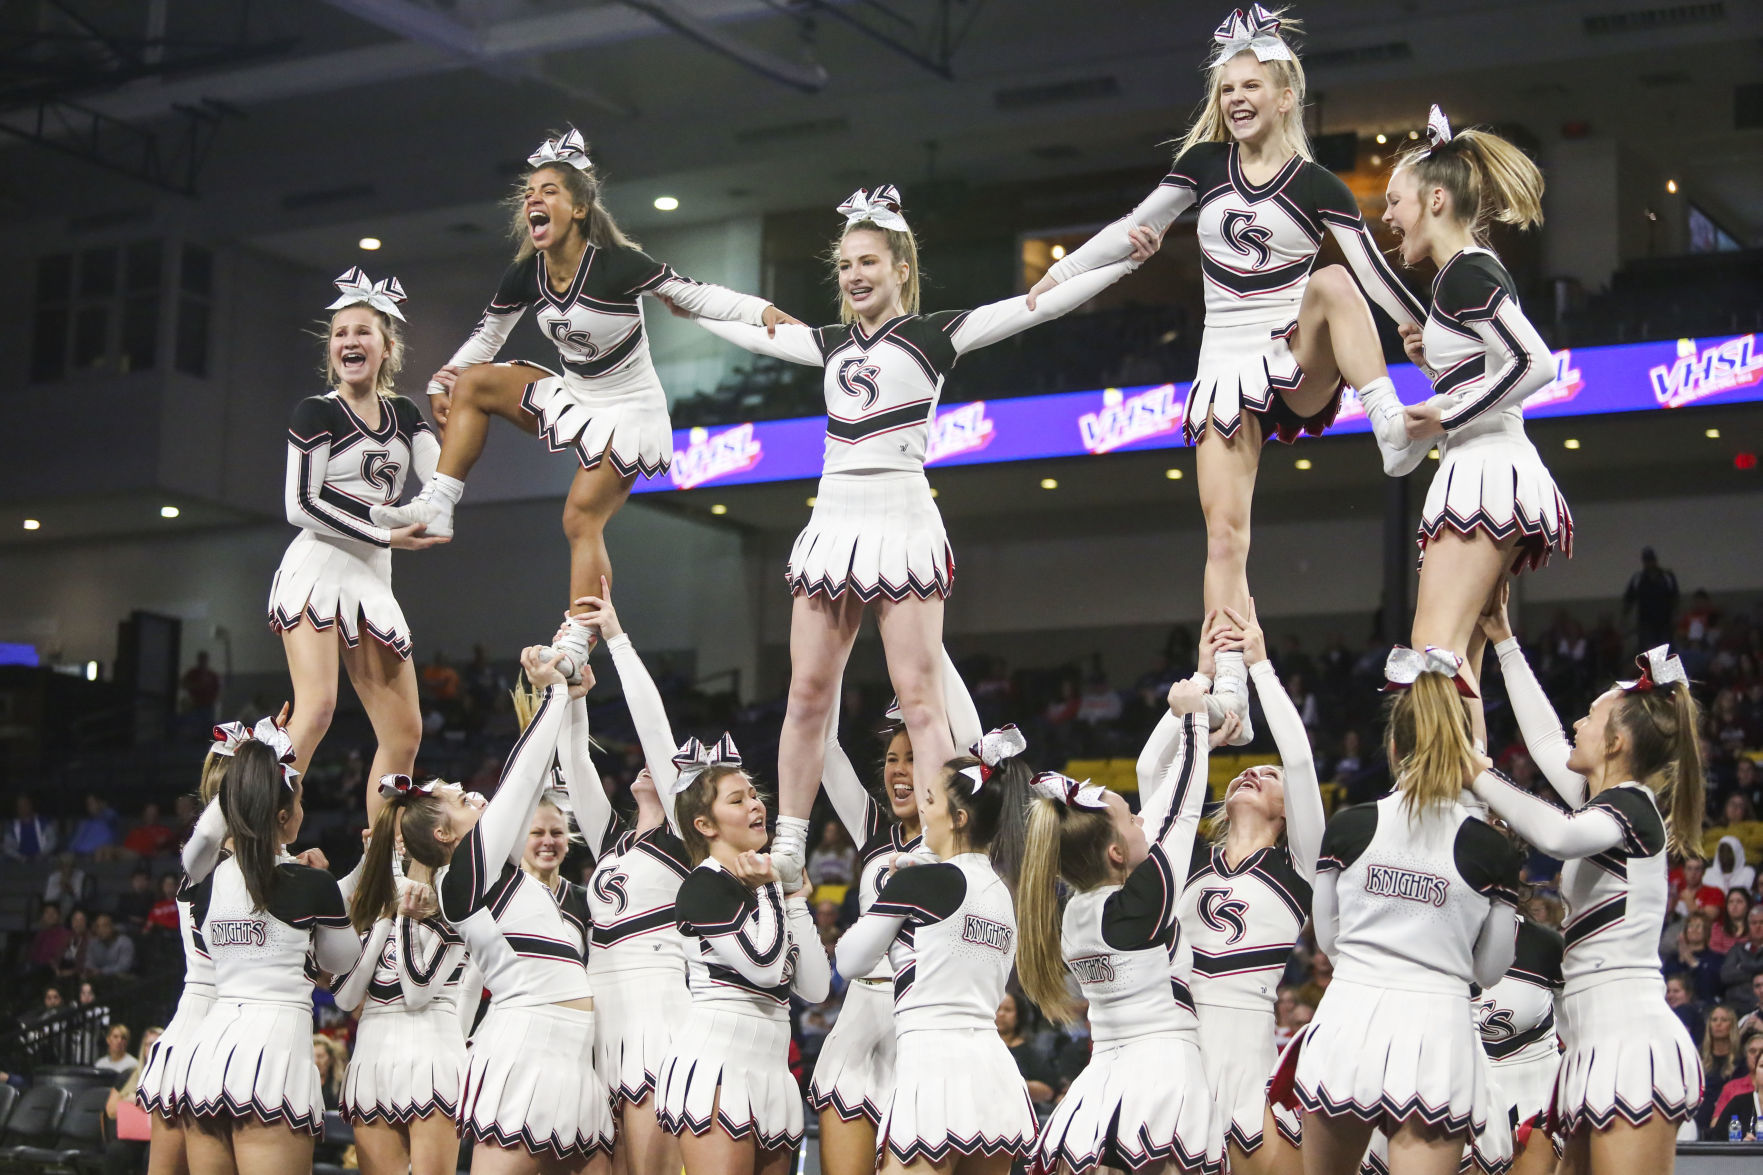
x=902 y=246
x=1488 y=178
x=391 y=332
x=599 y=227
x=1063 y=843
x=1434 y=748
x=1210 y=125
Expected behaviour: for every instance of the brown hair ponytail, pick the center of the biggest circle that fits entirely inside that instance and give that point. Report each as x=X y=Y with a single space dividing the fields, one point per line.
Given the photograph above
x=1666 y=755
x=1488 y=178
x=416 y=816
x=1062 y=843
x=253 y=796
x=1429 y=731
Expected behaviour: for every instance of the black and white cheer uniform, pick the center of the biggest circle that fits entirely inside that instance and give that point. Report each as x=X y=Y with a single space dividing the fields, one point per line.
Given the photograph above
x=875 y=531
x=1143 y=1098
x=608 y=401
x=338 y=570
x=1258 y=244
x=165 y=1070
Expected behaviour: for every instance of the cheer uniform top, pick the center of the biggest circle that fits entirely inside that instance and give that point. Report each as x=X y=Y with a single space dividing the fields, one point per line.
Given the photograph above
x=1258 y=244
x=875 y=530
x=608 y=401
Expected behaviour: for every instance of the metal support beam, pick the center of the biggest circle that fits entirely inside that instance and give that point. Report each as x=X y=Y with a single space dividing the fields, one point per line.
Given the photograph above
x=1395 y=616
x=938 y=41
x=810 y=79
x=171 y=162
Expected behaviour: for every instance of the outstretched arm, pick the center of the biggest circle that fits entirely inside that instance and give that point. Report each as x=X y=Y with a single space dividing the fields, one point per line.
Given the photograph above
x=1564 y=835
x=202 y=850
x=991 y=323
x=704 y=300
x=814 y=977
x=502 y=829
x=1371 y=269
x=860 y=948
x=650 y=716
x=1155 y=212
x=1538 y=723
x=793 y=342
x=581 y=779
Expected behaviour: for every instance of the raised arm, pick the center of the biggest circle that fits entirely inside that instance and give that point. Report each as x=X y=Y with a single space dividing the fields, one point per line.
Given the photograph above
x=1142 y=910
x=643 y=701
x=502 y=829
x=428 y=954
x=1156 y=212
x=587 y=795
x=1539 y=724
x=1325 y=910
x=349 y=988
x=793 y=342
x=814 y=977
x=996 y=321
x=202 y=851
x=851 y=801
x=1590 y=830
x=964 y=724
x=1371 y=269
x=1305 y=818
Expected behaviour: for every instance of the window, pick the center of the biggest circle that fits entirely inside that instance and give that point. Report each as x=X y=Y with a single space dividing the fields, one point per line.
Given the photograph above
x=1706 y=236
x=195 y=299
x=97 y=311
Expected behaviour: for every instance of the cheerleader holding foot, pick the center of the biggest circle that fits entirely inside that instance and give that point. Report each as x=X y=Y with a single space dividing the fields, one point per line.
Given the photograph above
x=1492 y=505
x=959 y=1103
x=252 y=1089
x=349 y=452
x=1414 y=902
x=1142 y=1102
x=1631 y=778
x=854 y=1074
x=875 y=536
x=530 y=1099
x=583 y=278
x=1280 y=342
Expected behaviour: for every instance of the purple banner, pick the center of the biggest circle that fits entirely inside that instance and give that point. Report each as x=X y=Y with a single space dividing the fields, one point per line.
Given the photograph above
x=1635 y=377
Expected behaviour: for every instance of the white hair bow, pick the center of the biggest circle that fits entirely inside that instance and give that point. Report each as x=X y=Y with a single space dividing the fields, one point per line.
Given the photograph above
x=1006 y=742
x=227 y=737
x=892 y=713
x=1403 y=667
x=1438 y=128
x=1659 y=667
x=383 y=295
x=230 y=736
x=883 y=208
x=694 y=758
x=1062 y=789
x=1256 y=31
x=571 y=149
x=395 y=784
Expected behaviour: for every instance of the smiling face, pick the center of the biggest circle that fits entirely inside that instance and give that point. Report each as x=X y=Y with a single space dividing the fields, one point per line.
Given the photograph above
x=550 y=209
x=737 y=815
x=1591 y=735
x=547 y=841
x=1257 y=792
x=897 y=778
x=358 y=347
x=871 y=279
x=1253 y=103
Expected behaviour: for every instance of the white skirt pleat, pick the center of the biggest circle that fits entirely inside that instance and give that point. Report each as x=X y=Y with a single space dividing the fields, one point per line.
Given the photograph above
x=629 y=427
x=255 y=1061
x=1246 y=369
x=956 y=1092
x=877 y=535
x=530 y=1083
x=1496 y=484
x=638 y=1012
x=1136 y=1103
x=854 y=1075
x=165 y=1074
x=335 y=583
x=407 y=1065
x=1627 y=1055
x=1237 y=1049
x=732 y=1069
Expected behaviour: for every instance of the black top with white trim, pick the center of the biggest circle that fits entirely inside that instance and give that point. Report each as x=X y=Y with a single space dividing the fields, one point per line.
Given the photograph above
x=1516 y=1016
x=753 y=948
x=339 y=468
x=1487 y=356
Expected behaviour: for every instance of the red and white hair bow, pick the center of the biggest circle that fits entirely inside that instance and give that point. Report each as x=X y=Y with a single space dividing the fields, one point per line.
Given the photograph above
x=1256 y=31
x=882 y=208
x=571 y=149
x=1659 y=667
x=1006 y=742
x=227 y=737
x=394 y=784
x=892 y=713
x=357 y=290
x=230 y=736
x=694 y=758
x=1403 y=667
x=1438 y=128
x=1062 y=789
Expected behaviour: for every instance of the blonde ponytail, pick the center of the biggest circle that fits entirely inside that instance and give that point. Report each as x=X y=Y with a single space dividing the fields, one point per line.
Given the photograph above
x=1487 y=177
x=1434 y=749
x=1040 y=959
x=1666 y=755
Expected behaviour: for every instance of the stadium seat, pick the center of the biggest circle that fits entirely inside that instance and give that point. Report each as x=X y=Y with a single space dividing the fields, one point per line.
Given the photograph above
x=73 y=1078
x=79 y=1139
x=8 y=1099
x=33 y=1121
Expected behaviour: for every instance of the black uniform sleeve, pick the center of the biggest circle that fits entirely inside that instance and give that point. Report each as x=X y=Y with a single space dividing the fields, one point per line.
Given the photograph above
x=1347 y=836
x=922 y=894
x=409 y=417
x=712 y=903
x=1540 y=950
x=1643 y=830
x=1487 y=861
x=1140 y=913
x=1472 y=288
x=633 y=271
x=305 y=897
x=933 y=336
x=314 y=420
x=518 y=288
x=1200 y=168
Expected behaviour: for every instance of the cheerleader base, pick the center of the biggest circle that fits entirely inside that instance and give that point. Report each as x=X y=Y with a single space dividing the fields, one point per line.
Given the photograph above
x=627 y=424
x=530 y=1084
x=875 y=535
x=254 y=1061
x=731 y=1069
x=1495 y=483
x=1236 y=1047
x=1136 y=1103
x=407 y=1065
x=1627 y=1056
x=165 y=1073
x=956 y=1092
x=854 y=1076
x=1247 y=369
x=637 y=1011
x=335 y=583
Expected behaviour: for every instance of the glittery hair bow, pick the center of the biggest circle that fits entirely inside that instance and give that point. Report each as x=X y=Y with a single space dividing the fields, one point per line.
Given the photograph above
x=883 y=208
x=1404 y=666
x=227 y=737
x=1659 y=667
x=1257 y=31
x=1006 y=742
x=1438 y=128
x=571 y=149
x=694 y=758
x=393 y=786
x=383 y=295
x=1062 y=789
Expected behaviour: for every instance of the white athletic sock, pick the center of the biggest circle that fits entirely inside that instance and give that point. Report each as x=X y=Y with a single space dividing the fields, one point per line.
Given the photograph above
x=791 y=837
x=1232 y=677
x=1384 y=409
x=441 y=486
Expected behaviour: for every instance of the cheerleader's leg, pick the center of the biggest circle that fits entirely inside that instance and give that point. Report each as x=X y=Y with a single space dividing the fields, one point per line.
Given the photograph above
x=912 y=641
x=1334 y=1146
x=822 y=631
x=1621 y=1149
x=1225 y=468
x=980 y=1164
x=383 y=1148
x=261 y=1149
x=165 y=1152
x=434 y=1145
x=386 y=684
x=480 y=392
x=594 y=497
x=846 y=1148
x=1418 y=1151
x=1336 y=340
x=643 y=1146
x=313 y=656
x=1458 y=578
x=1275 y=1156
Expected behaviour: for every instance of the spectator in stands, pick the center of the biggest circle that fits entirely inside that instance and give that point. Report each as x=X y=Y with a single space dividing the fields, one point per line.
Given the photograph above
x=202 y=689
x=1689 y=882
x=1075 y=1044
x=127 y=1156
x=1031 y=1062
x=48 y=943
x=183 y=816
x=66 y=887
x=134 y=904
x=1752 y=1021
x=1308 y=711
x=826 y=921
x=1652 y=596
x=332 y=1059
x=1738 y=1097
x=96 y=831
x=1722 y=1054
x=73 y=951
x=116 y=1057
x=1692 y=960
x=1321 y=975
x=1350 y=762
x=1302 y=1013
x=1063 y=709
x=150 y=836
x=1744 y=960
x=28 y=835
x=1283 y=1003
x=1729 y=870
x=111 y=952
x=1679 y=999
x=1729 y=927
x=440 y=681
x=1098 y=705
x=1747 y=778
x=163 y=918
x=833 y=861
x=1702 y=622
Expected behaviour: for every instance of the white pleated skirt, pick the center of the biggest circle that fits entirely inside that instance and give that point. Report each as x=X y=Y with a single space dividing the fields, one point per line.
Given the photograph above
x=1627 y=1055
x=732 y=1069
x=406 y=1065
x=1389 y=1056
x=336 y=583
x=255 y=1061
x=1136 y=1103
x=530 y=1083
x=1246 y=369
x=622 y=420
x=1527 y=1083
x=956 y=1092
x=165 y=1074
x=1237 y=1050
x=1496 y=484
x=854 y=1075
x=876 y=535
x=638 y=1011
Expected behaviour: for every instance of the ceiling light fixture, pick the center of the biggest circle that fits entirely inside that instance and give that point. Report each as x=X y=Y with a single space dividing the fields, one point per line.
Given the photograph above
x=369 y=243
x=1570 y=443
x=1302 y=463
x=1172 y=474
x=1049 y=483
x=1712 y=434
x=666 y=203
x=1058 y=252
x=168 y=512
x=719 y=508
x=32 y=524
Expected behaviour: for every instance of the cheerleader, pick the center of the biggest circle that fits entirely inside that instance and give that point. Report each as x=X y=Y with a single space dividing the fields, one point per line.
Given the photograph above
x=1280 y=342
x=1142 y=1101
x=959 y=1103
x=349 y=451
x=854 y=1074
x=875 y=535
x=1631 y=779
x=251 y=1087
x=1414 y=902
x=725 y=1087
x=1246 y=899
x=1492 y=504
x=583 y=277
x=530 y=1099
